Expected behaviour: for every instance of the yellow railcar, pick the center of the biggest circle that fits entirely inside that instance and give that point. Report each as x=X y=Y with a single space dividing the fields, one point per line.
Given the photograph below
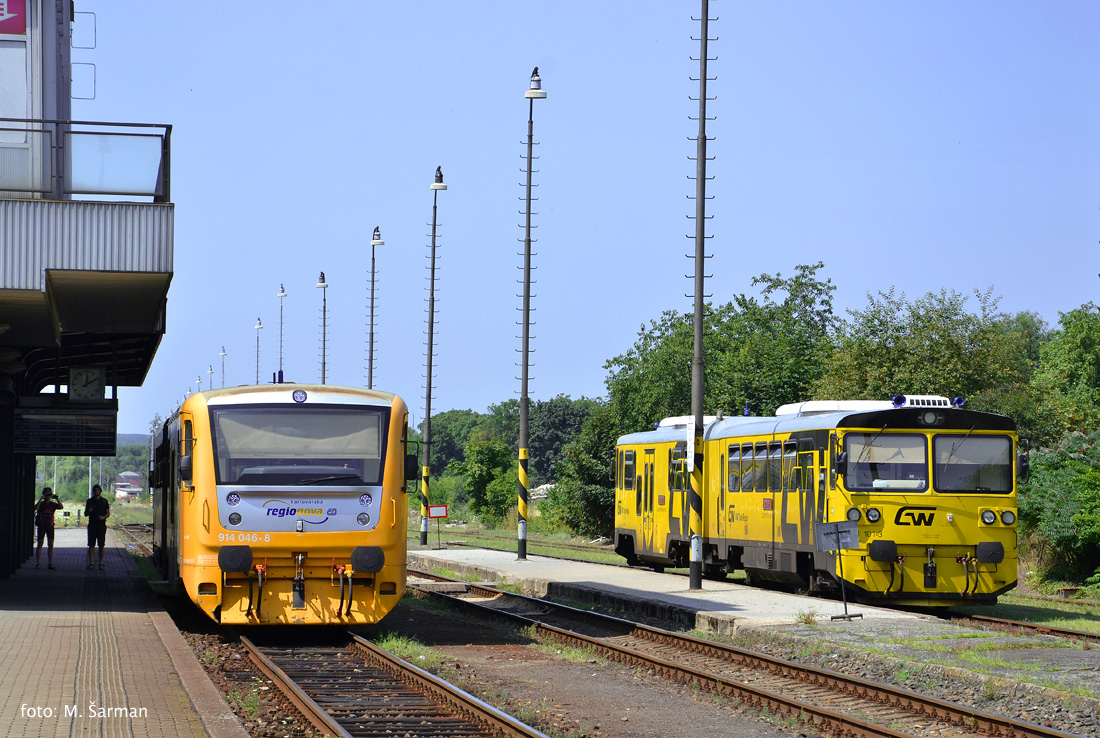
x=928 y=487
x=285 y=503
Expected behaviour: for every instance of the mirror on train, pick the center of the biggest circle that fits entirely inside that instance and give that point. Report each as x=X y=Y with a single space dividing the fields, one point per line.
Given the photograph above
x=412 y=467
x=840 y=462
x=185 y=468
x=1023 y=461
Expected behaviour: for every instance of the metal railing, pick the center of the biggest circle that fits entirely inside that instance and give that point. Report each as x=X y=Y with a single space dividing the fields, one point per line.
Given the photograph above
x=58 y=158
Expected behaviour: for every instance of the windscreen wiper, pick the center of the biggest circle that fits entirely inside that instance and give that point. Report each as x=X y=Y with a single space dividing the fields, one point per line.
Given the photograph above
x=329 y=479
x=955 y=448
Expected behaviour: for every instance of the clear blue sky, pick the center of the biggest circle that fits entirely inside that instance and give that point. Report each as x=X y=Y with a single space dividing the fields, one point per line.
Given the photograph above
x=919 y=146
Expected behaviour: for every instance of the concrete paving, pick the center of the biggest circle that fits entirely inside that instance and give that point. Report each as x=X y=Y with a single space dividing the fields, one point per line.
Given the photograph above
x=719 y=606
x=93 y=653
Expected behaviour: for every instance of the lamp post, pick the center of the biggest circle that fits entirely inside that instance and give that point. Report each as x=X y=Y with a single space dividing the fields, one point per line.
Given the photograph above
x=534 y=93
x=436 y=186
x=375 y=241
x=210 y=371
x=323 y=286
x=281 y=295
x=222 y=354
x=259 y=326
x=198 y=383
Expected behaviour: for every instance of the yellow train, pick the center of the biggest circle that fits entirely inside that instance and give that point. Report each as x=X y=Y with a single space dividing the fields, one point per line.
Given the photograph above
x=285 y=503
x=925 y=490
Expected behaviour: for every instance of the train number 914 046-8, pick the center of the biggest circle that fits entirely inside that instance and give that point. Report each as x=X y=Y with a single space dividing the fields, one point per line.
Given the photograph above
x=244 y=537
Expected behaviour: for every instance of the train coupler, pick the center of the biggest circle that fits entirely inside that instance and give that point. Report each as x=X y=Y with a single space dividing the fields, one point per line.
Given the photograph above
x=339 y=570
x=298 y=585
x=930 y=571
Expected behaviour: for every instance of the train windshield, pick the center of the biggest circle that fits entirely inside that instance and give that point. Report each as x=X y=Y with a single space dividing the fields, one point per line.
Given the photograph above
x=331 y=445
x=878 y=461
x=968 y=463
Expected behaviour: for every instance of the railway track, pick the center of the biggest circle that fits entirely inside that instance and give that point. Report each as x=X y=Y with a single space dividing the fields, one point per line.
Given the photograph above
x=1036 y=628
x=140 y=534
x=361 y=690
x=832 y=703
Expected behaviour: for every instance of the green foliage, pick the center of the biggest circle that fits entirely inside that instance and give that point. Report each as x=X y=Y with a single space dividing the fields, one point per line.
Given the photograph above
x=553 y=424
x=72 y=472
x=584 y=497
x=450 y=432
x=1061 y=502
x=760 y=352
x=1068 y=378
x=929 y=346
x=486 y=461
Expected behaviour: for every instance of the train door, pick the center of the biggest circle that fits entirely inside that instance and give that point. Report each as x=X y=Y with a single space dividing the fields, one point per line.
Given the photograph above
x=775 y=488
x=720 y=505
x=648 y=477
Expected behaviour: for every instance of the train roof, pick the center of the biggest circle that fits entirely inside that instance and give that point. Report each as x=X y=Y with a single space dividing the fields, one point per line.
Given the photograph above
x=868 y=416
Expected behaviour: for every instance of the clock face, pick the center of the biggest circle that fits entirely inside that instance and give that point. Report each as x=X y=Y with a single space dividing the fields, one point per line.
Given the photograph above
x=86 y=383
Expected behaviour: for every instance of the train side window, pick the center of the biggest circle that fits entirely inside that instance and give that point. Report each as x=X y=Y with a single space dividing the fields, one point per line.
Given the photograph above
x=792 y=476
x=775 y=467
x=618 y=470
x=760 y=468
x=805 y=468
x=734 y=469
x=628 y=470
x=188 y=438
x=748 y=471
x=833 y=450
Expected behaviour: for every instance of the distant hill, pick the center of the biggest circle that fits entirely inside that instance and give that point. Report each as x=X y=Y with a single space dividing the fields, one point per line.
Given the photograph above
x=130 y=439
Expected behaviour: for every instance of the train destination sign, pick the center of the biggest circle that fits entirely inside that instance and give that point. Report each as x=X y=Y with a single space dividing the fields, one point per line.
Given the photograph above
x=56 y=432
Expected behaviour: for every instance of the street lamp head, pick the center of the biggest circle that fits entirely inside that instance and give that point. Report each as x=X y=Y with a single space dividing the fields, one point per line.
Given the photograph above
x=438 y=183
x=258 y=326
x=536 y=92
x=377 y=240
x=282 y=291
x=321 y=283
x=223 y=351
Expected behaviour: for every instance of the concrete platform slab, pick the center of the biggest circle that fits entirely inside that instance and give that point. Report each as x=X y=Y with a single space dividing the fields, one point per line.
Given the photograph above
x=720 y=606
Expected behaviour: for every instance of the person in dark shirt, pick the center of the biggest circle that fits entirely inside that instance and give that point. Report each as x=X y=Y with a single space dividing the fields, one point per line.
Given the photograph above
x=43 y=518
x=97 y=510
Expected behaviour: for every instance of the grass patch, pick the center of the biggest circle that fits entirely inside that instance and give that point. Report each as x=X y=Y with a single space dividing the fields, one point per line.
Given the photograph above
x=411 y=650
x=246 y=700
x=1068 y=614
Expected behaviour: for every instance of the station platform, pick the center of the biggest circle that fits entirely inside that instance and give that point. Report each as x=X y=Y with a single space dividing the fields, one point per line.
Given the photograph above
x=94 y=653
x=720 y=607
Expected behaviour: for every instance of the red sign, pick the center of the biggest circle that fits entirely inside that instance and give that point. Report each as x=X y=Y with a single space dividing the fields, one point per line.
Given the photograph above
x=437 y=511
x=13 y=17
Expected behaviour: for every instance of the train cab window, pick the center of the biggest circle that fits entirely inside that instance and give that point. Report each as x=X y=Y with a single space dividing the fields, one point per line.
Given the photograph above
x=886 y=461
x=734 y=469
x=775 y=466
x=969 y=463
x=331 y=445
x=188 y=438
x=628 y=470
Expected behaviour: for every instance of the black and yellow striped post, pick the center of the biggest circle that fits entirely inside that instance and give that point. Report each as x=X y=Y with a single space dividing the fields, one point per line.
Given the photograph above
x=424 y=505
x=522 y=544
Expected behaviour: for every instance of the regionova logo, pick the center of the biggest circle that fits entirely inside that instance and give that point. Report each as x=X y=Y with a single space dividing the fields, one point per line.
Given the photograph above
x=304 y=509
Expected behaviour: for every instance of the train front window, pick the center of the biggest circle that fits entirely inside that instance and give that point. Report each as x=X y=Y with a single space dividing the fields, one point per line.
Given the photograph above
x=968 y=463
x=878 y=461
x=330 y=445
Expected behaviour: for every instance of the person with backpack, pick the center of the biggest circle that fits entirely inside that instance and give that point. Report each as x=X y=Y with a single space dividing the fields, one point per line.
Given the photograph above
x=43 y=518
x=97 y=510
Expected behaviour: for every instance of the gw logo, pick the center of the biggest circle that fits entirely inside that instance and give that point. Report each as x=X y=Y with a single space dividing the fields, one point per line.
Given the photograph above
x=915 y=516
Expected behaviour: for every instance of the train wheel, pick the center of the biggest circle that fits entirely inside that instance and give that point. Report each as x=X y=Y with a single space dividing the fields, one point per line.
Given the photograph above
x=717 y=572
x=659 y=568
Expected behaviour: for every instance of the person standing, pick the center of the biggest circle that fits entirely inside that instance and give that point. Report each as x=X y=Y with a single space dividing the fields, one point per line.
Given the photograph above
x=97 y=510
x=43 y=518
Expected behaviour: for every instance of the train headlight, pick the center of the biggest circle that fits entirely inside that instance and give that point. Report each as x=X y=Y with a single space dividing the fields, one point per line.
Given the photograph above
x=1008 y=517
x=363 y=518
x=235 y=519
x=365 y=499
x=873 y=515
x=854 y=514
x=989 y=517
x=233 y=499
x=931 y=417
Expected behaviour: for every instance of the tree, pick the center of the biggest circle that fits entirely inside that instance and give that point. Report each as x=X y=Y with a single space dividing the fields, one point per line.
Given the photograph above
x=553 y=424
x=584 y=497
x=762 y=353
x=1068 y=378
x=486 y=460
x=1061 y=502
x=451 y=431
x=930 y=346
